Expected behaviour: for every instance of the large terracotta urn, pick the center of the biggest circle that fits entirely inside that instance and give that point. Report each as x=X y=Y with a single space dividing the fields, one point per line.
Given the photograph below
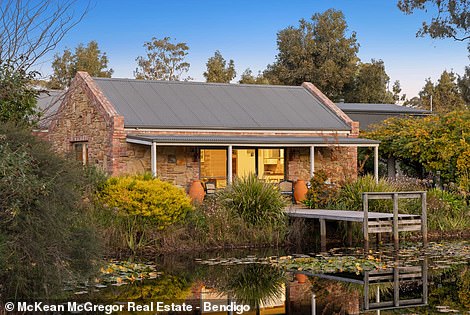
x=196 y=191
x=300 y=190
x=301 y=278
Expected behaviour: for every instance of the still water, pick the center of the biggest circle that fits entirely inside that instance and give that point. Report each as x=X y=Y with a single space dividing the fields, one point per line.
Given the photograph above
x=433 y=280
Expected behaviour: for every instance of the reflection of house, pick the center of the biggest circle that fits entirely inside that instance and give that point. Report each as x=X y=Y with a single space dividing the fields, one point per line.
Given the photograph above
x=185 y=130
x=368 y=114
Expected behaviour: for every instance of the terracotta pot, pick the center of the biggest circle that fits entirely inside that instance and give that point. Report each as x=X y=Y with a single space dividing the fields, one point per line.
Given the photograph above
x=300 y=277
x=196 y=191
x=300 y=190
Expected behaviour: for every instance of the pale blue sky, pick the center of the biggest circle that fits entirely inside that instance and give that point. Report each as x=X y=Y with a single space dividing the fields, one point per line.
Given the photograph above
x=245 y=31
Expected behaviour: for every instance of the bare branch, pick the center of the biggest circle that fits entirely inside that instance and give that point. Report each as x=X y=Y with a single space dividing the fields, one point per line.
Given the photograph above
x=30 y=29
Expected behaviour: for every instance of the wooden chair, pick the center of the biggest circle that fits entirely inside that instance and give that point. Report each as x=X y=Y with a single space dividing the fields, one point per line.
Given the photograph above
x=210 y=188
x=286 y=187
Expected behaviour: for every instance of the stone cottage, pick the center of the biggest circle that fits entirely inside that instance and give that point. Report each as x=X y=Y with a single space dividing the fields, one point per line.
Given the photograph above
x=181 y=131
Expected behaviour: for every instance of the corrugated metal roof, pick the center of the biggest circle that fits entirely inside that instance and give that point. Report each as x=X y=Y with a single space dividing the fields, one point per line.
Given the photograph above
x=48 y=103
x=170 y=104
x=249 y=140
x=373 y=108
x=369 y=114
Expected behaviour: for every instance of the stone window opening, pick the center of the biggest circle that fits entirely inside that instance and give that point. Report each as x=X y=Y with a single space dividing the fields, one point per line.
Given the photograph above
x=80 y=150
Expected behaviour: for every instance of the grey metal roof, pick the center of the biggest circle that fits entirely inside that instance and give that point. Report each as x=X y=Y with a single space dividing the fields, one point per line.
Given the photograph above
x=388 y=108
x=48 y=103
x=248 y=140
x=369 y=114
x=170 y=104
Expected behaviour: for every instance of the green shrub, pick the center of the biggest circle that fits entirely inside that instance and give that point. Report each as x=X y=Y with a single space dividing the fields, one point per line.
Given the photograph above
x=447 y=211
x=141 y=204
x=46 y=235
x=320 y=194
x=350 y=195
x=255 y=201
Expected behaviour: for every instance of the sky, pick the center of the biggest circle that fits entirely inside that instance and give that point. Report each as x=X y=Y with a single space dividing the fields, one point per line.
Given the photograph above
x=245 y=31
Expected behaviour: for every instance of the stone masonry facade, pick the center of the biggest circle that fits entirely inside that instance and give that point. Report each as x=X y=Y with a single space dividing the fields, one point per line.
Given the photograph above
x=87 y=116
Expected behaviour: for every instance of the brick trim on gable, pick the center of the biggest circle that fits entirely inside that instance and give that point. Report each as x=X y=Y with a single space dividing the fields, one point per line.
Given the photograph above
x=312 y=89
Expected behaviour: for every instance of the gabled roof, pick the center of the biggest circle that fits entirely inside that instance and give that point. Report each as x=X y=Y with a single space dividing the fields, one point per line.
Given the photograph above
x=192 y=105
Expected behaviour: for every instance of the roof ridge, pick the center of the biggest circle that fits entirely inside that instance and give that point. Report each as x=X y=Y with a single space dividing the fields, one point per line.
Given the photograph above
x=199 y=83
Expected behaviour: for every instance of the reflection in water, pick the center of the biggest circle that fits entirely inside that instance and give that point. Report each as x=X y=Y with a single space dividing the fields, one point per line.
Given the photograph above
x=406 y=286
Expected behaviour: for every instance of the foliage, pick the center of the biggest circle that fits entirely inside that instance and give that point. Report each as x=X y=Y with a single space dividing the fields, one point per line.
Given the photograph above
x=452 y=19
x=320 y=193
x=370 y=84
x=17 y=97
x=445 y=94
x=247 y=77
x=164 y=60
x=218 y=70
x=255 y=201
x=333 y=264
x=45 y=227
x=211 y=225
x=435 y=143
x=142 y=203
x=464 y=86
x=447 y=211
x=89 y=59
x=350 y=195
x=318 y=51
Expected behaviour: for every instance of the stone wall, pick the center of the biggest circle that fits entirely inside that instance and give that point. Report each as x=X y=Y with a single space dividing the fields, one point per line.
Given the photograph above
x=178 y=165
x=340 y=163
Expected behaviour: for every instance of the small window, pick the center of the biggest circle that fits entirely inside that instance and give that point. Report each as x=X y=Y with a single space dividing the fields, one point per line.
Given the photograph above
x=81 y=152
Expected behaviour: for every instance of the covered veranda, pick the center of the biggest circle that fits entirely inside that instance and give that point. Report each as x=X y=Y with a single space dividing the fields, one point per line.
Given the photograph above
x=231 y=143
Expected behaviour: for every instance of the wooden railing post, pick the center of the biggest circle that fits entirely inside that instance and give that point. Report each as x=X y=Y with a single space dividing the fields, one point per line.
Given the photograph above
x=395 y=220
x=424 y=219
x=365 y=225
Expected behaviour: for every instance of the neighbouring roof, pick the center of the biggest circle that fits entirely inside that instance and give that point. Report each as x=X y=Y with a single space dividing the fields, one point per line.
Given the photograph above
x=381 y=108
x=369 y=114
x=192 y=105
x=48 y=102
x=213 y=140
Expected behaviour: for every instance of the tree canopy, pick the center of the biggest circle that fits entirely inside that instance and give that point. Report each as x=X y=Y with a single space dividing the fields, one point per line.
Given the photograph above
x=85 y=58
x=370 y=84
x=433 y=143
x=218 y=70
x=451 y=18
x=164 y=60
x=247 y=77
x=446 y=96
x=319 y=51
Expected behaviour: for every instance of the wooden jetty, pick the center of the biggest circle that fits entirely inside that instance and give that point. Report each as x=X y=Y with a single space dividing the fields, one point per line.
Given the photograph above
x=372 y=222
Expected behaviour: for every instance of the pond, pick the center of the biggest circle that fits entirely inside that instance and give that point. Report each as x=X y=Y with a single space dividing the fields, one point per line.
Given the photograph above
x=433 y=280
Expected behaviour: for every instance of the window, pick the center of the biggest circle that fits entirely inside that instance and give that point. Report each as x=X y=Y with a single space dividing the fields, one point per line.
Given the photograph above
x=214 y=166
x=80 y=150
x=271 y=164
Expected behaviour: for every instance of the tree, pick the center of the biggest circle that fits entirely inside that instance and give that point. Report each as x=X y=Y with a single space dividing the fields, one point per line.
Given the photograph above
x=433 y=143
x=247 y=77
x=396 y=90
x=86 y=58
x=370 y=84
x=28 y=31
x=445 y=94
x=218 y=70
x=164 y=61
x=452 y=19
x=47 y=236
x=319 y=52
x=464 y=85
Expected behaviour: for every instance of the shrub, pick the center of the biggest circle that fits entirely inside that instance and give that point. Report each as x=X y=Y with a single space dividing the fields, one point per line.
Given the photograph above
x=320 y=194
x=447 y=211
x=141 y=204
x=46 y=236
x=255 y=201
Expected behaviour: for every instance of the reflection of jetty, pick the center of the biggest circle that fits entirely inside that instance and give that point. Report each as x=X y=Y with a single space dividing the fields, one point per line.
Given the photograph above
x=375 y=279
x=373 y=222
